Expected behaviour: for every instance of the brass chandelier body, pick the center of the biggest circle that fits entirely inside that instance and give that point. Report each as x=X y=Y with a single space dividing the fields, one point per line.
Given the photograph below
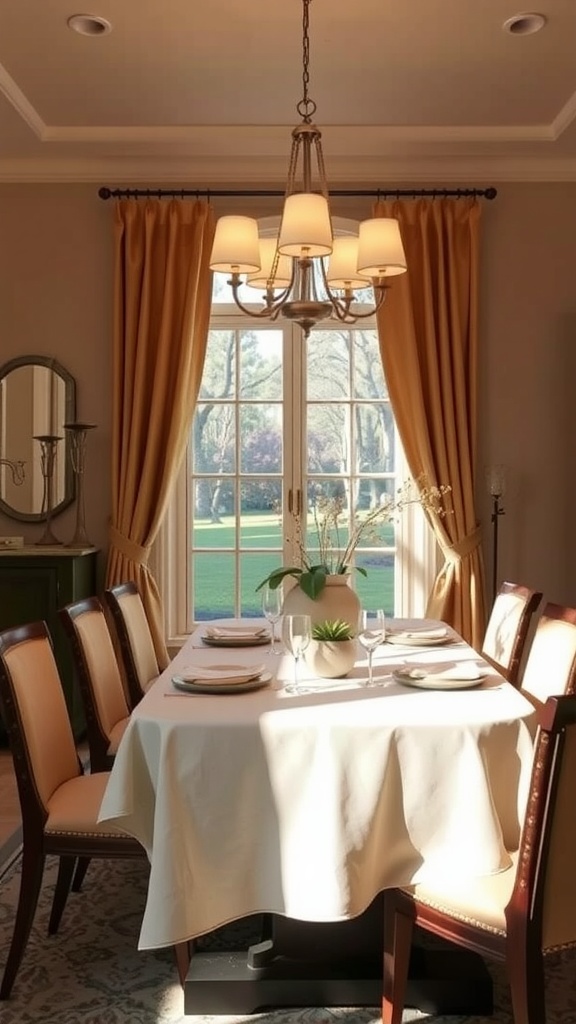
x=306 y=274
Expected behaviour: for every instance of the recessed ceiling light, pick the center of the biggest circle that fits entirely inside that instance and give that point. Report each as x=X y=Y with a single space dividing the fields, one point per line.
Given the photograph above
x=89 y=25
x=524 y=24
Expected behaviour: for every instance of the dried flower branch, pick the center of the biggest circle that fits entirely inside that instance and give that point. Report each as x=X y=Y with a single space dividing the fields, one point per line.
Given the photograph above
x=331 y=519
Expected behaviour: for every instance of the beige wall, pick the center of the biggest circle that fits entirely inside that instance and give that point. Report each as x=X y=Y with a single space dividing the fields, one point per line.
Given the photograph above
x=56 y=299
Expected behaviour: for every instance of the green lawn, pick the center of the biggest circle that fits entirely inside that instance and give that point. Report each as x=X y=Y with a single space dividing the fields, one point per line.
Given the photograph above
x=214 y=569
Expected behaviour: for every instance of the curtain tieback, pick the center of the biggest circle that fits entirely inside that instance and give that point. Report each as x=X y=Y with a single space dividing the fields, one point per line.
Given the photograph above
x=130 y=549
x=456 y=553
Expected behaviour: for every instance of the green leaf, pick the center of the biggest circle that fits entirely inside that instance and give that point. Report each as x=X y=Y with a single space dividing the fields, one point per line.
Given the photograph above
x=274 y=579
x=313 y=583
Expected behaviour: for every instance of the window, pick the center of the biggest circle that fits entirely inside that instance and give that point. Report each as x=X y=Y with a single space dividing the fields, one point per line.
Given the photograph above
x=278 y=422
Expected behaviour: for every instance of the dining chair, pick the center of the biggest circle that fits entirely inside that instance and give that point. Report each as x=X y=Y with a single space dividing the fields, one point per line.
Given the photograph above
x=99 y=679
x=135 y=641
x=506 y=635
x=551 y=663
x=519 y=915
x=59 y=804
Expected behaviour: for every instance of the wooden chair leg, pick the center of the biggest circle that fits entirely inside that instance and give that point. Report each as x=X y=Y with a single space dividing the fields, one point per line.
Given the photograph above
x=182 y=955
x=525 y=969
x=30 y=882
x=61 y=890
x=80 y=873
x=398 y=928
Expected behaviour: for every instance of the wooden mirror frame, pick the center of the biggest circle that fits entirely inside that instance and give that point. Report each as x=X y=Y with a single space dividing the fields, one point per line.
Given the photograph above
x=68 y=415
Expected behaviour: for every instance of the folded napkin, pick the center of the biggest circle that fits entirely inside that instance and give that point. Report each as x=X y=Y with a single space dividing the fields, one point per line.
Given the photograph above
x=459 y=670
x=221 y=676
x=234 y=632
x=420 y=634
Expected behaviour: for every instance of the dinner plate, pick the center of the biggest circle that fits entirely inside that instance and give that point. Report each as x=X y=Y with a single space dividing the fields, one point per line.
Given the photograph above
x=213 y=688
x=418 y=676
x=418 y=641
x=235 y=641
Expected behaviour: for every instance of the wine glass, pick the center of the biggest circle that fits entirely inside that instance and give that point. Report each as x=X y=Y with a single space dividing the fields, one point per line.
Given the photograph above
x=272 y=601
x=371 y=633
x=296 y=634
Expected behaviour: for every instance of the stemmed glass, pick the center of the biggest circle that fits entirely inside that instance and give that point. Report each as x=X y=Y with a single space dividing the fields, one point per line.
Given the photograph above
x=296 y=634
x=371 y=633
x=272 y=600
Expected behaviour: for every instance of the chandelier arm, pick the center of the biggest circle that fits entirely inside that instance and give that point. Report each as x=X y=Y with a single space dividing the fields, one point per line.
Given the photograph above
x=270 y=310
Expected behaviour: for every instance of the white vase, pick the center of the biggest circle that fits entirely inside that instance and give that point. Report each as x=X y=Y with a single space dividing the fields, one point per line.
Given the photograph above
x=337 y=600
x=330 y=659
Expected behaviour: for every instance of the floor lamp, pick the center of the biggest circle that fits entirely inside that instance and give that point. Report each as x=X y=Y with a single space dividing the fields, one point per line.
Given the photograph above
x=496 y=486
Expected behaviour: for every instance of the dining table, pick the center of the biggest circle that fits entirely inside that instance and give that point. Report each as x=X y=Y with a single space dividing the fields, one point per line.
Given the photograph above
x=252 y=799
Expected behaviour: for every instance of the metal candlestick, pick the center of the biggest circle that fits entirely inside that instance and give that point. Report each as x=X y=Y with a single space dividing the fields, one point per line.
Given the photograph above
x=48 y=447
x=496 y=484
x=78 y=433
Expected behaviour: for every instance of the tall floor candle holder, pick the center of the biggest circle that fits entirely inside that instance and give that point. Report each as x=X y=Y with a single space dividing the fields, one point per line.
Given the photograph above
x=78 y=433
x=496 y=477
x=48 y=450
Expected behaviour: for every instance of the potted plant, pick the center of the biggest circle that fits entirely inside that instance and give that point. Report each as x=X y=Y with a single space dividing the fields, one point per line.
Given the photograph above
x=336 y=533
x=331 y=652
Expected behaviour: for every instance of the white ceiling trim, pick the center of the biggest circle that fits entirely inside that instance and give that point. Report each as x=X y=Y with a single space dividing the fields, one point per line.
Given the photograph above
x=480 y=171
x=565 y=117
x=20 y=103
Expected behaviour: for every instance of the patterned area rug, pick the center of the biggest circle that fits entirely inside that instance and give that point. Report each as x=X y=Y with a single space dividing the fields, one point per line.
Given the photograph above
x=92 y=973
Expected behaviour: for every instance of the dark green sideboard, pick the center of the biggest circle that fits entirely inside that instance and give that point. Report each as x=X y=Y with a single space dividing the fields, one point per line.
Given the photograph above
x=34 y=583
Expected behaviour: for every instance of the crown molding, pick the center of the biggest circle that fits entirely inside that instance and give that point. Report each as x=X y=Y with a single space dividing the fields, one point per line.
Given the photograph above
x=208 y=173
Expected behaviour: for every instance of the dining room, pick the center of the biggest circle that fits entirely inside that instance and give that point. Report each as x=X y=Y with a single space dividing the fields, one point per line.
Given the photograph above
x=196 y=492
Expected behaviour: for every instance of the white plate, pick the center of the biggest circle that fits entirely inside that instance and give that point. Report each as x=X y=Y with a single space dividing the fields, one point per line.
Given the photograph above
x=236 y=641
x=415 y=640
x=205 y=686
x=431 y=681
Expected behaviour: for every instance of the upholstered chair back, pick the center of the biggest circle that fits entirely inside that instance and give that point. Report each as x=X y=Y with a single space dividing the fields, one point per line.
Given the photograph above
x=99 y=677
x=35 y=713
x=551 y=663
x=134 y=638
x=506 y=634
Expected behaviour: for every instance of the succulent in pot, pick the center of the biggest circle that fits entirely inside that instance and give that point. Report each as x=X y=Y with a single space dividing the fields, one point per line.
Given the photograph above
x=331 y=652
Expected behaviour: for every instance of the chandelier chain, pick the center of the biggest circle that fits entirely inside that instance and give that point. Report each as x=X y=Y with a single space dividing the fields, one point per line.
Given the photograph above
x=306 y=107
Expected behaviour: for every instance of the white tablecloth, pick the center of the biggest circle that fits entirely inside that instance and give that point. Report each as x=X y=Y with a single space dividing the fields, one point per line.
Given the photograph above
x=310 y=805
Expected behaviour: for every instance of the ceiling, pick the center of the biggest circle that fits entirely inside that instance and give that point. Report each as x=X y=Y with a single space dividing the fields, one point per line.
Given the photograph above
x=206 y=93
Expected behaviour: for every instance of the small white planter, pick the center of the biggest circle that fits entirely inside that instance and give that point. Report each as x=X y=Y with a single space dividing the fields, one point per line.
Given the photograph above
x=330 y=659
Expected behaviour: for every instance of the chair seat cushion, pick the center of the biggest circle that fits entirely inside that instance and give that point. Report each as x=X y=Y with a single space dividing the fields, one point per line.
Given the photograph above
x=480 y=901
x=116 y=733
x=75 y=805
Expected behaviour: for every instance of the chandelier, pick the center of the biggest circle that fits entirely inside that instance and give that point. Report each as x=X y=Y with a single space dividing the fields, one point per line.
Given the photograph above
x=306 y=274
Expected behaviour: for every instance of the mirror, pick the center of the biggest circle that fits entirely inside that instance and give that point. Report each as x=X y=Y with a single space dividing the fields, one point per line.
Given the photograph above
x=37 y=397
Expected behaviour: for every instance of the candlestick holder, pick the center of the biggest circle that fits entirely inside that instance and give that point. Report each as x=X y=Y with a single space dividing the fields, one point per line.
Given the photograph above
x=48 y=451
x=78 y=433
x=496 y=478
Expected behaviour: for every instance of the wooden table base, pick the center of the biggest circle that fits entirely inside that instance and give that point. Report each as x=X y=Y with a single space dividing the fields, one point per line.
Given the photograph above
x=303 y=964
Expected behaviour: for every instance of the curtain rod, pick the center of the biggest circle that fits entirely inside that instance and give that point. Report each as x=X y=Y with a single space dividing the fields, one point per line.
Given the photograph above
x=379 y=193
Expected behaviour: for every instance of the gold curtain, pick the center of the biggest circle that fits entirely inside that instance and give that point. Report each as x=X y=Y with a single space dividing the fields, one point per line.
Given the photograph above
x=428 y=330
x=162 y=301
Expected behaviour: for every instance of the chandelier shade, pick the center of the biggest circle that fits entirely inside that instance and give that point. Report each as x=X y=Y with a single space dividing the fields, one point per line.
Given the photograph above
x=236 y=246
x=306 y=274
x=342 y=269
x=283 y=272
x=380 y=249
x=306 y=229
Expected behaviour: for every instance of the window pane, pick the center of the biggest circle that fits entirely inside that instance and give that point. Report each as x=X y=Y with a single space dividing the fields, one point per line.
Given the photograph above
x=214 y=585
x=368 y=372
x=261 y=517
x=375 y=438
x=328 y=439
x=261 y=365
x=261 y=433
x=214 y=513
x=377 y=587
x=214 y=434
x=219 y=374
x=328 y=365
